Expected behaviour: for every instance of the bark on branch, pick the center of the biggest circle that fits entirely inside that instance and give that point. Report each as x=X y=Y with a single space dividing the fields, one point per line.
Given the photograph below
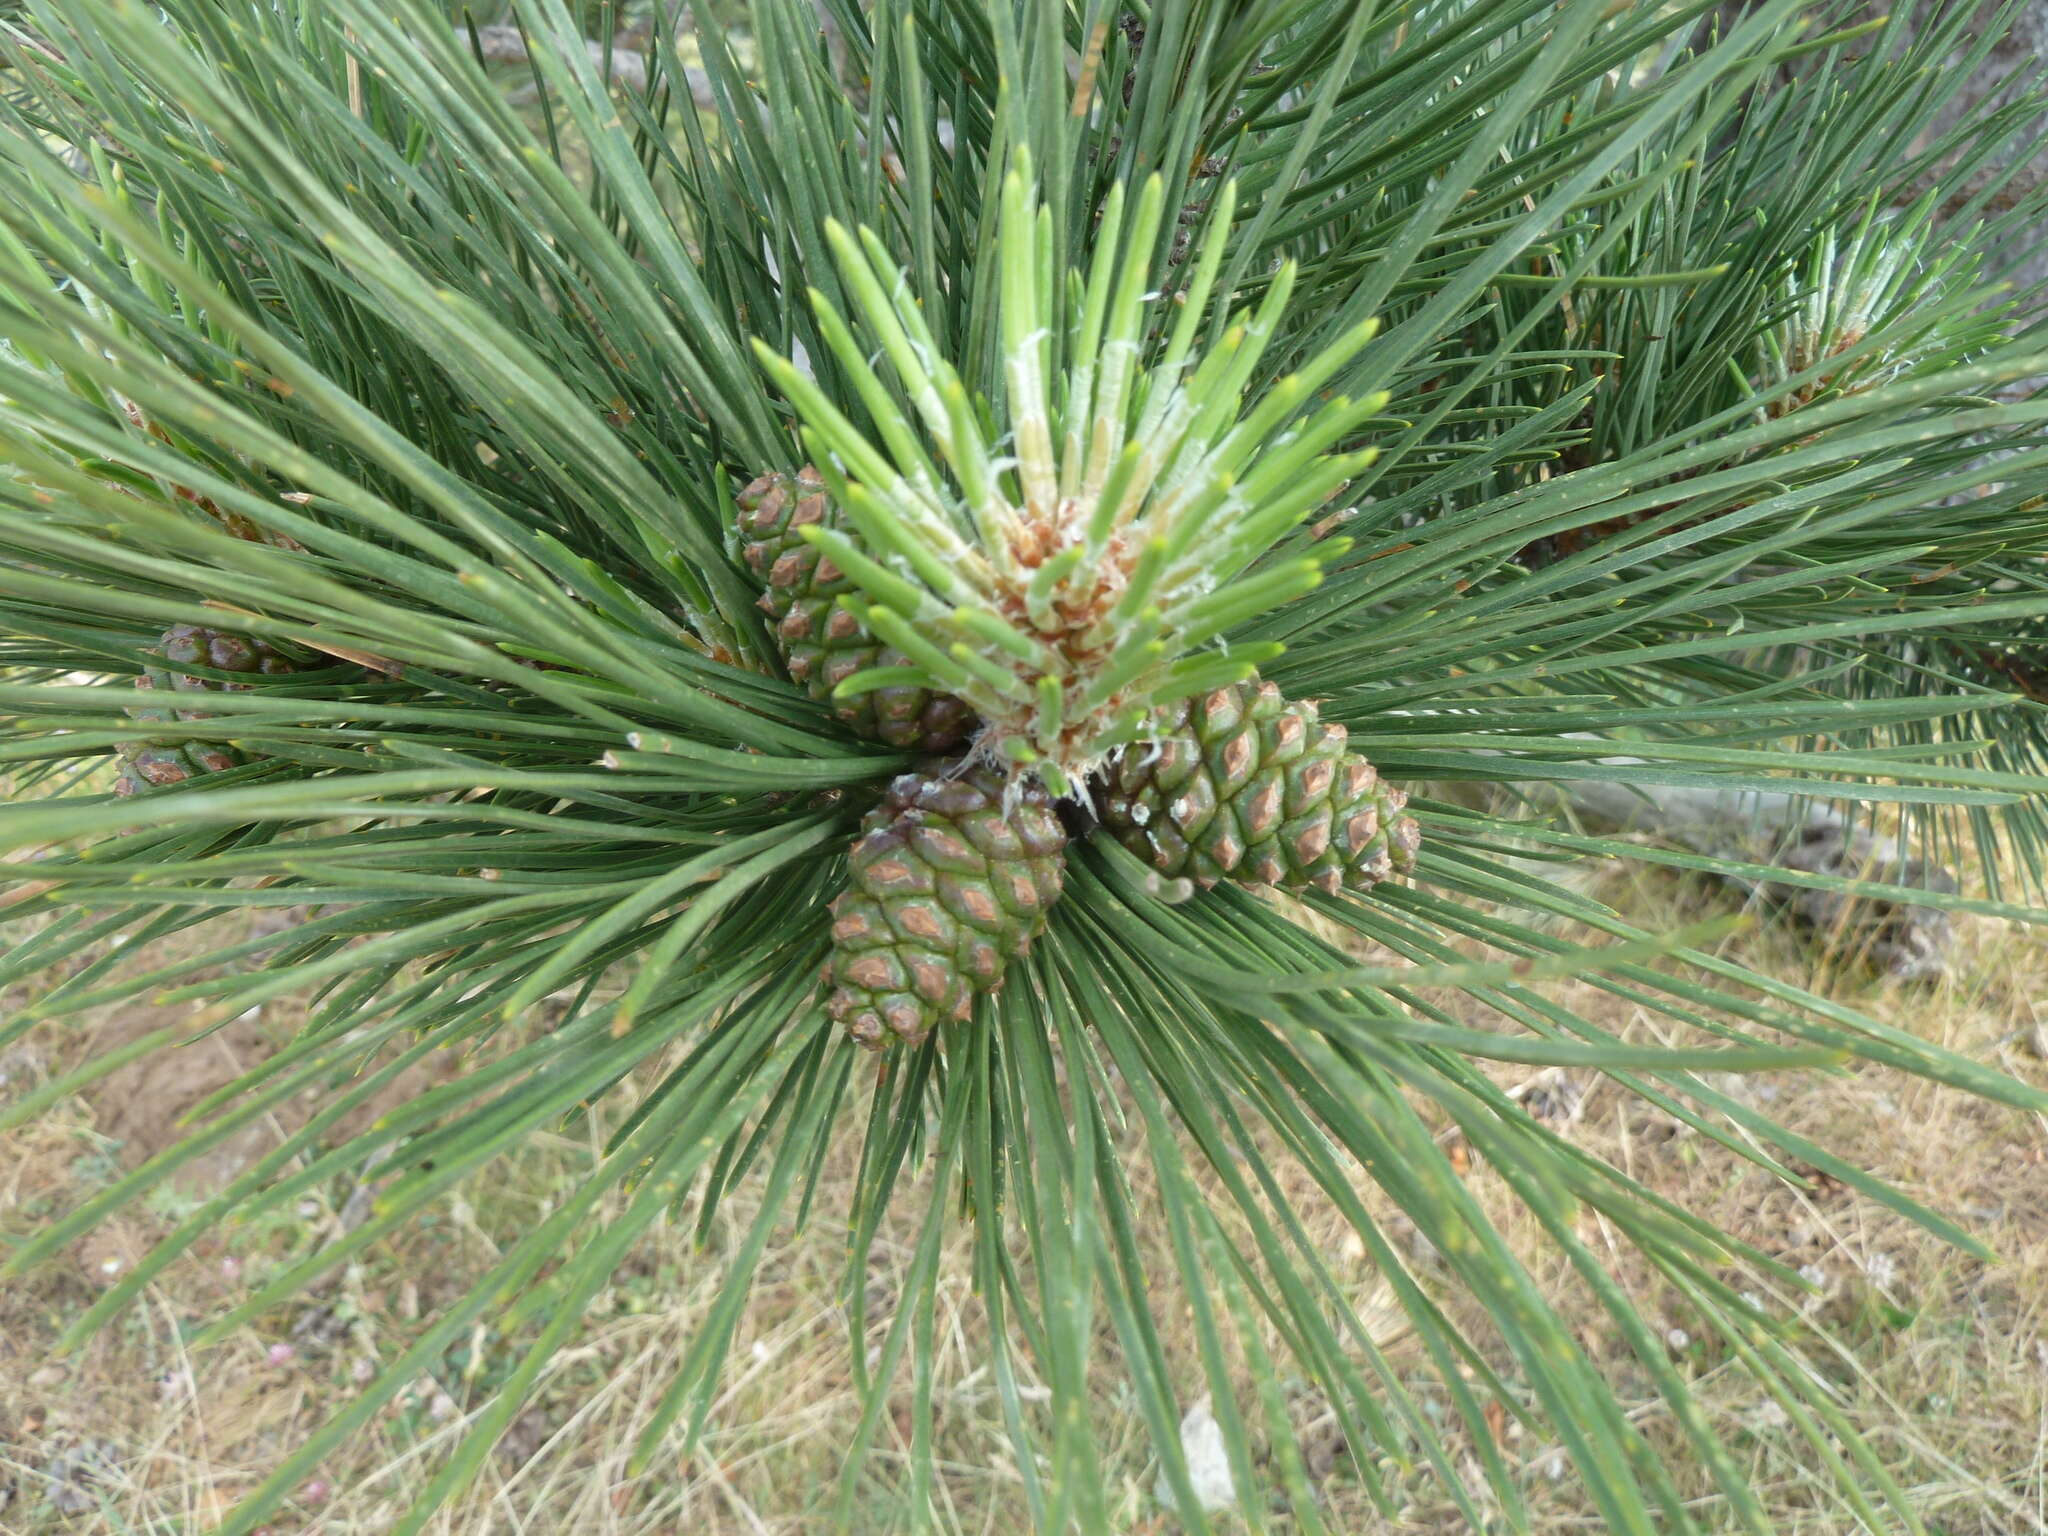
x=1907 y=941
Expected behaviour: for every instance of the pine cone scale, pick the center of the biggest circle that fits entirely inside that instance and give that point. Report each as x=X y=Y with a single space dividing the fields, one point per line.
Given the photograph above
x=925 y=921
x=1262 y=809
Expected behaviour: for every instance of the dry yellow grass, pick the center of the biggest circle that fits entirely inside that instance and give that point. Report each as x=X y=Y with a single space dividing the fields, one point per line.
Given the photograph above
x=1945 y=1365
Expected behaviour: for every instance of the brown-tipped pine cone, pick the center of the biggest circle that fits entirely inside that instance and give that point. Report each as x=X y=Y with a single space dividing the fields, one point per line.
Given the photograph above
x=1242 y=784
x=822 y=644
x=948 y=887
x=172 y=758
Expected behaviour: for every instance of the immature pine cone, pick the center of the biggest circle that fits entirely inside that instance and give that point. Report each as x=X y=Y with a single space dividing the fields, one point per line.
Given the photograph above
x=822 y=644
x=947 y=889
x=173 y=758
x=1243 y=784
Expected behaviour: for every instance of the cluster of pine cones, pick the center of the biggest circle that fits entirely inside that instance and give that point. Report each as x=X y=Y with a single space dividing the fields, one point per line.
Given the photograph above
x=173 y=756
x=955 y=871
x=953 y=877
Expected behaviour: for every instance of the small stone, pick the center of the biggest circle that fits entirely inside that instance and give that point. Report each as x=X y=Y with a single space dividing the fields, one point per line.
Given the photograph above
x=1208 y=1463
x=1767 y=1415
x=71 y=1473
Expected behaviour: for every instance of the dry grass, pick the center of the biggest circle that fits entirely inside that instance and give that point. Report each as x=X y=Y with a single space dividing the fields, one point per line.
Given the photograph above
x=1945 y=1369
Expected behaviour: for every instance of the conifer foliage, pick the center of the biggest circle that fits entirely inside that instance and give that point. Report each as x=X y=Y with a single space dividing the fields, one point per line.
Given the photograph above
x=983 y=540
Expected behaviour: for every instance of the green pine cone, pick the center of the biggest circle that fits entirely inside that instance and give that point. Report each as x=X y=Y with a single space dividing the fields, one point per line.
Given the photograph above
x=822 y=644
x=1243 y=784
x=948 y=887
x=172 y=758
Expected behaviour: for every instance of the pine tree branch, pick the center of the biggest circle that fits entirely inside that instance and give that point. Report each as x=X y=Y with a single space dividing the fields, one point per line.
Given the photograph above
x=1797 y=833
